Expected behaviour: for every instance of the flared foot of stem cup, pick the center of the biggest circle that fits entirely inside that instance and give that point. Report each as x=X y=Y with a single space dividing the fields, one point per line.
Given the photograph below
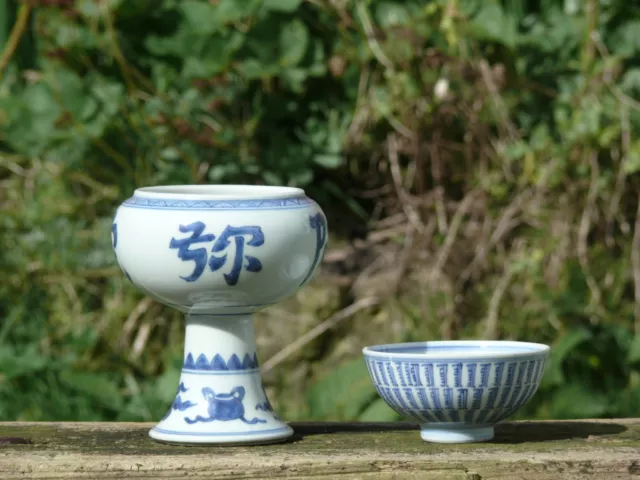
x=451 y=434
x=220 y=399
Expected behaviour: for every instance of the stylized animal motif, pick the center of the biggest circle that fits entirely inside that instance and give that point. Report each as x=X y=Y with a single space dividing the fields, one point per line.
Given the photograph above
x=224 y=407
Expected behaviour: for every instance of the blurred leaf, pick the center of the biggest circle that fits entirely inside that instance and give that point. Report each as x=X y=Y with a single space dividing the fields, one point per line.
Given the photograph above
x=342 y=393
x=294 y=40
x=202 y=17
x=493 y=24
x=287 y=6
x=632 y=160
x=569 y=402
x=560 y=351
x=233 y=10
x=96 y=385
x=634 y=350
x=15 y=363
x=390 y=14
x=328 y=160
x=630 y=82
x=379 y=411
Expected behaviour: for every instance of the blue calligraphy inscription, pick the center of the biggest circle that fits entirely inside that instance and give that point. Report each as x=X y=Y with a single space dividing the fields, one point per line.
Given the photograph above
x=319 y=224
x=224 y=407
x=253 y=264
x=200 y=255
x=114 y=233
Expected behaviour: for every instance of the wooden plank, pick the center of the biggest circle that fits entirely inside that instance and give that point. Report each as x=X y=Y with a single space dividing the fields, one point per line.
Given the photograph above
x=592 y=449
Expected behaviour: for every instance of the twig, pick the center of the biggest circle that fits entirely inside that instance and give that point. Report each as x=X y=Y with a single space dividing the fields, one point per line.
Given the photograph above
x=625 y=134
x=359 y=117
x=436 y=174
x=140 y=342
x=635 y=264
x=402 y=261
x=5 y=161
x=616 y=196
x=19 y=27
x=487 y=77
x=399 y=127
x=315 y=332
x=452 y=233
x=491 y=322
x=585 y=227
x=131 y=321
x=371 y=36
x=403 y=196
x=607 y=78
x=505 y=224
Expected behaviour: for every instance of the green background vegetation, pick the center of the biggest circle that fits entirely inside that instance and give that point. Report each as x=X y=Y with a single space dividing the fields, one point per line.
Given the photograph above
x=477 y=160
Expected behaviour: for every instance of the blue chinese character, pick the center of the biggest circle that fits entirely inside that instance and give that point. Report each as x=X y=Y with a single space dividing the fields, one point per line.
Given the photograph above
x=253 y=264
x=114 y=233
x=319 y=224
x=198 y=255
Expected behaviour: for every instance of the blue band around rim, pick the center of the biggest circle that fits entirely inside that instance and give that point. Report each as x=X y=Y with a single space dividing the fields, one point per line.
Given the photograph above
x=248 y=204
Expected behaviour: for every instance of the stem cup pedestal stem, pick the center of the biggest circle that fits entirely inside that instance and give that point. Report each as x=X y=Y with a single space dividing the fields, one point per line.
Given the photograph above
x=220 y=399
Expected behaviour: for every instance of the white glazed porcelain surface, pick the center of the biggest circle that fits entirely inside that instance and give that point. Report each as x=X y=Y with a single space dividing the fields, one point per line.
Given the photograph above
x=457 y=390
x=219 y=253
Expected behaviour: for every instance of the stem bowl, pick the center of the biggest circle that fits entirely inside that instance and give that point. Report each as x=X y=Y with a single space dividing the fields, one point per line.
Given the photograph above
x=219 y=253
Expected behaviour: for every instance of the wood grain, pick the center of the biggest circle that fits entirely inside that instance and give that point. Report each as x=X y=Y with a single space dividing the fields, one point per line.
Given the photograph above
x=591 y=449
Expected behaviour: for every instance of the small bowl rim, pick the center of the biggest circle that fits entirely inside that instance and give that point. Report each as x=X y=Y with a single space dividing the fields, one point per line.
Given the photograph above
x=478 y=349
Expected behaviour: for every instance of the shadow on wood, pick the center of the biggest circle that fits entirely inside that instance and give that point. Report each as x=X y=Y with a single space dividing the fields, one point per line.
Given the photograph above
x=520 y=432
x=526 y=432
x=306 y=429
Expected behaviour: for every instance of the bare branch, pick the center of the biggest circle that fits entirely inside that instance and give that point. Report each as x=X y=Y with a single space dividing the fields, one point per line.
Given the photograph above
x=315 y=332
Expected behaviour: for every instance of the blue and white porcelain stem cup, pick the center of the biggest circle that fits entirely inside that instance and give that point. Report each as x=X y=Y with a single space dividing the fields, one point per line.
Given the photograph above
x=457 y=390
x=219 y=253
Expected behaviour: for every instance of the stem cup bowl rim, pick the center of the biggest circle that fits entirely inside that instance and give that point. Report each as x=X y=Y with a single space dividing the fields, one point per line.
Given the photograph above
x=219 y=192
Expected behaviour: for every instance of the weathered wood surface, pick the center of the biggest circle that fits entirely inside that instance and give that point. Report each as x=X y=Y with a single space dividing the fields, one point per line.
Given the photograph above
x=521 y=450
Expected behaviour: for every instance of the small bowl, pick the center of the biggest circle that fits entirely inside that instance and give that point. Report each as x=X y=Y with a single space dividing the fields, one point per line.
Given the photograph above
x=456 y=390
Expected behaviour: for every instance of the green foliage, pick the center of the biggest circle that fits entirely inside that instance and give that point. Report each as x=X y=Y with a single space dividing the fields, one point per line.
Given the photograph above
x=532 y=108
